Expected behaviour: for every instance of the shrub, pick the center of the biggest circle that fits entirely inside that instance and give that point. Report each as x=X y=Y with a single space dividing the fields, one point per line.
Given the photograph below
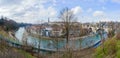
x=118 y=54
x=118 y=36
x=110 y=49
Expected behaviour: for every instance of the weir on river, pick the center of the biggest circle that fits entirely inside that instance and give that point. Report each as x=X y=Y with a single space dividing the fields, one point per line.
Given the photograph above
x=50 y=45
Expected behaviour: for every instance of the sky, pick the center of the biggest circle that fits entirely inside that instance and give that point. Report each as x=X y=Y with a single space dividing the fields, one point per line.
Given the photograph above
x=36 y=11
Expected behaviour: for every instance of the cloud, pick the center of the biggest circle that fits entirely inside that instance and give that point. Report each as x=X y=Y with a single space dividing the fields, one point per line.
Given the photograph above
x=77 y=10
x=49 y=12
x=4 y=11
x=9 y=2
x=98 y=13
x=34 y=10
x=27 y=10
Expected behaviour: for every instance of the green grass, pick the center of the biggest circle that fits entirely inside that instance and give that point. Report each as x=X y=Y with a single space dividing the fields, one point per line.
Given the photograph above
x=118 y=54
x=6 y=35
x=26 y=55
x=110 y=49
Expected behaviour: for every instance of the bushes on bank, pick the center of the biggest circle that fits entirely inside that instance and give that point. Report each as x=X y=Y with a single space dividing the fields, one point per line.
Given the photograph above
x=118 y=36
x=111 y=48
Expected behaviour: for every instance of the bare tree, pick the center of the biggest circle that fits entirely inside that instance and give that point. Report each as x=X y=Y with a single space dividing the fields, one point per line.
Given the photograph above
x=67 y=17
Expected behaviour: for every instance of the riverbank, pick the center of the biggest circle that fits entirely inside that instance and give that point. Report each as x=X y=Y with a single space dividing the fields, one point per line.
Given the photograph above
x=5 y=34
x=8 y=51
x=58 y=38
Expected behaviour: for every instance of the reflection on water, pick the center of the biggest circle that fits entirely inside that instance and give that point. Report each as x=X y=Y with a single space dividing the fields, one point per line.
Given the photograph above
x=52 y=45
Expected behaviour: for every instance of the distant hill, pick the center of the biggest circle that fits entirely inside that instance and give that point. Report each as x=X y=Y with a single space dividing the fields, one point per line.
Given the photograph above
x=24 y=24
x=10 y=25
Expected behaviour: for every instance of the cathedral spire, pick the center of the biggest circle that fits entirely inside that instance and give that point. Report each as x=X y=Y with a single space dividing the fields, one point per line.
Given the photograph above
x=48 y=20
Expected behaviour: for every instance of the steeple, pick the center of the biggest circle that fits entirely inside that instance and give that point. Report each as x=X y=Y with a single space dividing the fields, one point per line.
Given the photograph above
x=48 y=20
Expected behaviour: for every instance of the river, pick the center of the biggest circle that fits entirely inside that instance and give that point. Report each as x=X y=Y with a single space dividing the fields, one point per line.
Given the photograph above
x=52 y=45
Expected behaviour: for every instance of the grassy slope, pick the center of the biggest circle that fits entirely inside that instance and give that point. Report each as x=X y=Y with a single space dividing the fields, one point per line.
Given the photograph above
x=6 y=51
x=111 y=49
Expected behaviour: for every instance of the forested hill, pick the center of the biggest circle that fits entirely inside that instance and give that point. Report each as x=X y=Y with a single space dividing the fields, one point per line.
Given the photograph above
x=10 y=25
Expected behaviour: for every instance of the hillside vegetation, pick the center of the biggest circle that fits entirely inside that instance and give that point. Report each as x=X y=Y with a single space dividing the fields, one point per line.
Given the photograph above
x=7 y=51
x=110 y=48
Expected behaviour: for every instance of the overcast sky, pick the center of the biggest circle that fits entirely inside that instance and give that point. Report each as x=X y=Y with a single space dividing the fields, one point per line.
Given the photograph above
x=34 y=11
